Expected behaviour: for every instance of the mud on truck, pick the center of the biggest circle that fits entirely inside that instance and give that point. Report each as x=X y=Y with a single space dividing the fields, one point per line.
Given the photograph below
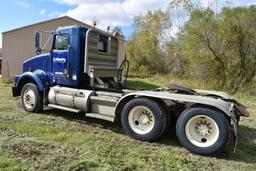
x=86 y=71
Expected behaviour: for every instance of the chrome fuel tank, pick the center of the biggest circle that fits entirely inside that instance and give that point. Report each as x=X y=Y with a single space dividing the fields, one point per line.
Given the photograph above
x=69 y=97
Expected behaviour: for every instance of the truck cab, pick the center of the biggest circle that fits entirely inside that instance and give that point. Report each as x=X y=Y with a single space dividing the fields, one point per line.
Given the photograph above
x=77 y=56
x=86 y=71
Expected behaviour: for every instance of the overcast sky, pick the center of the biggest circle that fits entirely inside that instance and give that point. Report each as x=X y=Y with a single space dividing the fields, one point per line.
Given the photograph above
x=18 y=13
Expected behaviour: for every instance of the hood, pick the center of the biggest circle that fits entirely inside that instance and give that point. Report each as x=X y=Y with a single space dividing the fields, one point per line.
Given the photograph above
x=37 y=62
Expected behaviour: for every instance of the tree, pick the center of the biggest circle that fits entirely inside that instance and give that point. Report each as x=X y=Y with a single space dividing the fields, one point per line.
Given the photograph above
x=144 y=48
x=222 y=46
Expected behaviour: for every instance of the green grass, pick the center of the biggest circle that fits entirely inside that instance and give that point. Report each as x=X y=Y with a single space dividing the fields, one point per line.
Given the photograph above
x=146 y=83
x=59 y=140
x=159 y=80
x=8 y=164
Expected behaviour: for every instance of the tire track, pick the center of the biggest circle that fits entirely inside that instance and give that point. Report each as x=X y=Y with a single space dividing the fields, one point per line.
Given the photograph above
x=37 y=154
x=9 y=133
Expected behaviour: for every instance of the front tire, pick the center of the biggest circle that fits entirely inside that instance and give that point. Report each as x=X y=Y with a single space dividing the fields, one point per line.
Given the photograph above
x=31 y=98
x=203 y=131
x=143 y=119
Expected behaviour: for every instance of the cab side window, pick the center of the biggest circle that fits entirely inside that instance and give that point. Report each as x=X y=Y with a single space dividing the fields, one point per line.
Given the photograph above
x=61 y=42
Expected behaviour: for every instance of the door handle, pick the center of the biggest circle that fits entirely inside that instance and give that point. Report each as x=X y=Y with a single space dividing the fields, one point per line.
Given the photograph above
x=68 y=61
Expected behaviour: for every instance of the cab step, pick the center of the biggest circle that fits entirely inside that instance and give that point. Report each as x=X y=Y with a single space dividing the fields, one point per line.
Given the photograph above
x=63 y=108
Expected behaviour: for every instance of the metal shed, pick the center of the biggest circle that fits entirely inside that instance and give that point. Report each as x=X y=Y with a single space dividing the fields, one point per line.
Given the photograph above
x=18 y=44
x=0 y=61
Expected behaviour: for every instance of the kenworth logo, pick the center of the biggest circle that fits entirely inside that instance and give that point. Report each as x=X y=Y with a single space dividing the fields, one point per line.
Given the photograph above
x=59 y=60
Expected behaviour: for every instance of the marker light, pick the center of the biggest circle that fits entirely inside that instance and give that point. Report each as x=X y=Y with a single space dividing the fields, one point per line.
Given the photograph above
x=94 y=23
x=30 y=69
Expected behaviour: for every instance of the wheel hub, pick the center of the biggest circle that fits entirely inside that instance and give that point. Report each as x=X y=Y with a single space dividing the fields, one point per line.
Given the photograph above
x=145 y=118
x=202 y=131
x=29 y=98
x=141 y=119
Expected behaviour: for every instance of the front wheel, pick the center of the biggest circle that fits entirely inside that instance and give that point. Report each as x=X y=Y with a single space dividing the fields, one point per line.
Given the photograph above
x=32 y=100
x=203 y=131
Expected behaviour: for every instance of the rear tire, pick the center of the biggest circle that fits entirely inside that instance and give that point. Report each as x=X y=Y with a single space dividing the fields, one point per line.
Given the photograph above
x=203 y=131
x=143 y=119
x=31 y=98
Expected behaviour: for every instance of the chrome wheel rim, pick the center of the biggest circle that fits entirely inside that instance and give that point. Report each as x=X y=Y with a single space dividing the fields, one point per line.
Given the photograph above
x=141 y=119
x=29 y=98
x=202 y=131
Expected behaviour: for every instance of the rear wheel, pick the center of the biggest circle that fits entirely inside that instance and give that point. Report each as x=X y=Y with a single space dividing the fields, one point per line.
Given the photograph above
x=32 y=100
x=203 y=131
x=143 y=119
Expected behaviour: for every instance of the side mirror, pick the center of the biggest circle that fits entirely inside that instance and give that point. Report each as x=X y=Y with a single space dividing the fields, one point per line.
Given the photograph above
x=37 y=43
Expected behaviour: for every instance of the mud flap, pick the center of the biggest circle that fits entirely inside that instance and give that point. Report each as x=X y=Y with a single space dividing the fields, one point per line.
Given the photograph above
x=15 y=92
x=234 y=123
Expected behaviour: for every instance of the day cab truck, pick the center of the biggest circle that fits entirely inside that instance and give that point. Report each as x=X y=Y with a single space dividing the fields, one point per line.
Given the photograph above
x=86 y=71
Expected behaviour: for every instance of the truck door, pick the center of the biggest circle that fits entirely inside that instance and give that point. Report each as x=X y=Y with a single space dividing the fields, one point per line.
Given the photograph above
x=60 y=56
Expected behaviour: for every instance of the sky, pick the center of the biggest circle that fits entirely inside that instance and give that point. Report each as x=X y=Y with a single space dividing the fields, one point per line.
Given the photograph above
x=18 y=13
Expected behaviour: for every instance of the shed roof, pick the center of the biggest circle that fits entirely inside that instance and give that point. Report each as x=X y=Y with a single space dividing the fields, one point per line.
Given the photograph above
x=55 y=19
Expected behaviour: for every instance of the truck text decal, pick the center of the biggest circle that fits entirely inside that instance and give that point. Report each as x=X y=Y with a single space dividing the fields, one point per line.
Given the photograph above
x=59 y=60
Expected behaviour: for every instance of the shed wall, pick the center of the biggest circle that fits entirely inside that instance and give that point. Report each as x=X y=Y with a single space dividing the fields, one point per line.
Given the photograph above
x=0 y=62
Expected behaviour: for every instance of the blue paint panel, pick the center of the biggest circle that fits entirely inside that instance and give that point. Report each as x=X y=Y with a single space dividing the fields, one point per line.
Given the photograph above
x=38 y=62
x=59 y=62
x=38 y=76
x=76 y=55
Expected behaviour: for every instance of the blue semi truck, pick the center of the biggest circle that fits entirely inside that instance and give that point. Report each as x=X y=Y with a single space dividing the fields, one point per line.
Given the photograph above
x=86 y=71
